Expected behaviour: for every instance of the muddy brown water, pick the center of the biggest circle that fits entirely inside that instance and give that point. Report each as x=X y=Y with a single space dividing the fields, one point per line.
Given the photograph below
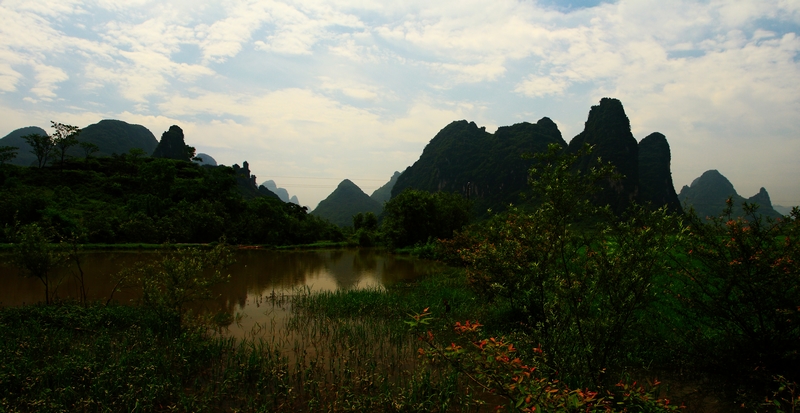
x=255 y=276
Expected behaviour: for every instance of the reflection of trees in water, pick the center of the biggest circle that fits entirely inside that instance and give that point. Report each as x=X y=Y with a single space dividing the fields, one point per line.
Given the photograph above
x=101 y=269
x=255 y=273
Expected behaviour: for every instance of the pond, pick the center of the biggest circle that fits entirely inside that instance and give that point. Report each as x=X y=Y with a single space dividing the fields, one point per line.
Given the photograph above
x=256 y=276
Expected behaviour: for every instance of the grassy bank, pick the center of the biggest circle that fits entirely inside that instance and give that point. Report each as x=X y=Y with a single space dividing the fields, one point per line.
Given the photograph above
x=339 y=352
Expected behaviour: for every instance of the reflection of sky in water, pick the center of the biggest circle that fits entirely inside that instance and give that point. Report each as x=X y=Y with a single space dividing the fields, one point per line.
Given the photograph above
x=256 y=275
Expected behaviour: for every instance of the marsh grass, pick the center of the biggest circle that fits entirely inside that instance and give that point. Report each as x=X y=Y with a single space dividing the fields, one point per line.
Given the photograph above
x=345 y=351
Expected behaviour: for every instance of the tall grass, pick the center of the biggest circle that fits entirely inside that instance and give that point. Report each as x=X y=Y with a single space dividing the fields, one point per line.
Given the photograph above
x=346 y=351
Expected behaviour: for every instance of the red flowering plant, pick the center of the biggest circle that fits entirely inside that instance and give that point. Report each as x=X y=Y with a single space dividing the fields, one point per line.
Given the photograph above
x=496 y=368
x=737 y=299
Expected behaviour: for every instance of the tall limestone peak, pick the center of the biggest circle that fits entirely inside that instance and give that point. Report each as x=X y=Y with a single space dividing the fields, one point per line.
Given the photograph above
x=173 y=146
x=655 y=176
x=486 y=168
x=609 y=131
x=344 y=202
x=281 y=192
x=761 y=198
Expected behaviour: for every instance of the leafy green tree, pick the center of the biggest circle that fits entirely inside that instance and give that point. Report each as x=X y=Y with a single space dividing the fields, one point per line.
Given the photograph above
x=737 y=297
x=88 y=148
x=41 y=146
x=416 y=216
x=64 y=137
x=181 y=276
x=35 y=255
x=137 y=153
x=7 y=153
x=580 y=278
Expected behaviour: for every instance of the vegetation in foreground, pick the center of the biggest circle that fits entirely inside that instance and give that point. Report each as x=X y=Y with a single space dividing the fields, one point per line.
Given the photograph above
x=577 y=307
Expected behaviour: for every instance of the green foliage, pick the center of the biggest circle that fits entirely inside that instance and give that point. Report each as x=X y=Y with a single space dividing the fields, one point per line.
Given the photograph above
x=416 y=216
x=180 y=276
x=64 y=137
x=41 y=146
x=151 y=200
x=494 y=365
x=737 y=298
x=34 y=253
x=578 y=277
x=7 y=153
x=88 y=148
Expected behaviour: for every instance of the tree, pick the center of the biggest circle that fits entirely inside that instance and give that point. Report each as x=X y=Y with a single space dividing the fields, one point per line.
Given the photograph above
x=41 y=146
x=35 y=255
x=89 y=148
x=64 y=137
x=579 y=277
x=737 y=297
x=7 y=153
x=415 y=216
x=181 y=276
x=137 y=153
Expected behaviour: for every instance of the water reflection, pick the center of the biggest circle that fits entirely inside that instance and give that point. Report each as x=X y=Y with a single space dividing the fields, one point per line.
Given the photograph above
x=256 y=275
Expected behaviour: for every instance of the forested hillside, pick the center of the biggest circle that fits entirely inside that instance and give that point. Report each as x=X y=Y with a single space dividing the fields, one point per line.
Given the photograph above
x=129 y=199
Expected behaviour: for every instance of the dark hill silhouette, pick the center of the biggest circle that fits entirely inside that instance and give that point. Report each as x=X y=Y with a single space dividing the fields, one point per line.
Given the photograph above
x=173 y=146
x=24 y=155
x=111 y=137
x=205 y=159
x=489 y=168
x=246 y=182
x=384 y=193
x=708 y=193
x=608 y=130
x=486 y=168
x=344 y=202
x=282 y=193
x=655 y=176
x=115 y=137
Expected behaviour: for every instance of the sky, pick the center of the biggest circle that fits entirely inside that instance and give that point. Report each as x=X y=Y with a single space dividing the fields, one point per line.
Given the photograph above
x=313 y=92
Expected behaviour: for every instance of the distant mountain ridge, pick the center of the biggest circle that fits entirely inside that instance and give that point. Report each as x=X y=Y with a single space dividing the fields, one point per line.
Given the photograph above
x=707 y=195
x=111 y=137
x=116 y=137
x=282 y=193
x=344 y=202
x=384 y=193
x=484 y=167
x=490 y=169
x=14 y=139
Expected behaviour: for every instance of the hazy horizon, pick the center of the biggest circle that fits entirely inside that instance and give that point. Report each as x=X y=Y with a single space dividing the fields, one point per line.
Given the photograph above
x=313 y=92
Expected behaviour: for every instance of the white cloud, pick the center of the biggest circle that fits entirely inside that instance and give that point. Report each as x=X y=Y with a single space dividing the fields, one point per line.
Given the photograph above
x=8 y=78
x=354 y=79
x=47 y=77
x=539 y=86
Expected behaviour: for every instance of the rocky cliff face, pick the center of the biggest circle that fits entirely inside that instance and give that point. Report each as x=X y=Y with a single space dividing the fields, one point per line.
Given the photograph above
x=282 y=193
x=344 y=202
x=655 y=176
x=708 y=193
x=608 y=130
x=486 y=168
x=173 y=146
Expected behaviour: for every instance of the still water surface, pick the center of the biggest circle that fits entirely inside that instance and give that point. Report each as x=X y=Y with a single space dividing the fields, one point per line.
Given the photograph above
x=255 y=275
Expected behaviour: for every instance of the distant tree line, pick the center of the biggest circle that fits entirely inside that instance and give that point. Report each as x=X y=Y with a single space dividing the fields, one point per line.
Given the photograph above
x=134 y=199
